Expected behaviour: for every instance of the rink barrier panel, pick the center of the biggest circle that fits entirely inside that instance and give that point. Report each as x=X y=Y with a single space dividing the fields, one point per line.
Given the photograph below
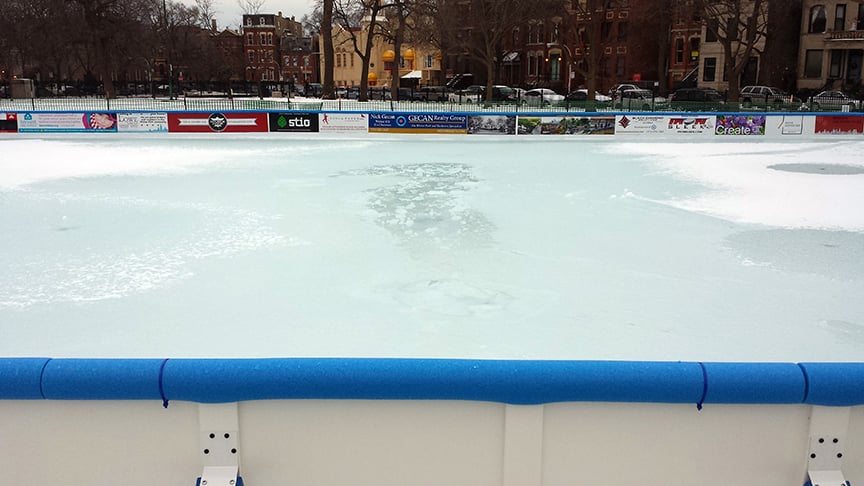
x=639 y=125
x=517 y=382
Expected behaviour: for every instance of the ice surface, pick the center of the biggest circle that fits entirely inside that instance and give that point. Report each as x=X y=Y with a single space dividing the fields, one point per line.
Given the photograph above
x=487 y=248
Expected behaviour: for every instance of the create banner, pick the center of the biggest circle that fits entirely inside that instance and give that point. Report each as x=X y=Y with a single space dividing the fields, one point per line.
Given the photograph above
x=217 y=122
x=740 y=125
x=8 y=123
x=417 y=123
x=67 y=122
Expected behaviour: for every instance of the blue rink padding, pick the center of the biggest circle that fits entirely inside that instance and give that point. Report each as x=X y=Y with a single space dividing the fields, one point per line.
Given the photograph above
x=21 y=378
x=102 y=379
x=504 y=381
x=835 y=384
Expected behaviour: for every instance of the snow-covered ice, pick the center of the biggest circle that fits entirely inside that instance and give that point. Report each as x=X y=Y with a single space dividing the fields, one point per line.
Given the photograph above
x=435 y=247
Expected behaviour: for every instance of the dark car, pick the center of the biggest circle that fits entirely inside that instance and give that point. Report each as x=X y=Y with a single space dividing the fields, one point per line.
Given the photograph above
x=432 y=93
x=696 y=99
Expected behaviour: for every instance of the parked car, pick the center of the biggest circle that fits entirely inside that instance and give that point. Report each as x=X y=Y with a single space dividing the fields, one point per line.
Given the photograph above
x=696 y=99
x=541 y=97
x=582 y=95
x=833 y=100
x=636 y=99
x=766 y=94
x=615 y=91
x=432 y=93
x=471 y=94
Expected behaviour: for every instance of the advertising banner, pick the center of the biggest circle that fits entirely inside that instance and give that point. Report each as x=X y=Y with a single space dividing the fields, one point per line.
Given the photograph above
x=217 y=122
x=142 y=122
x=740 y=125
x=839 y=125
x=343 y=122
x=417 y=123
x=8 y=123
x=293 y=122
x=491 y=125
x=640 y=124
x=566 y=125
x=692 y=125
x=67 y=122
x=777 y=126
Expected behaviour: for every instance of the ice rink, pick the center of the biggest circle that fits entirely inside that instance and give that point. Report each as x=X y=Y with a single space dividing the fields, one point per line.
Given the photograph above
x=394 y=246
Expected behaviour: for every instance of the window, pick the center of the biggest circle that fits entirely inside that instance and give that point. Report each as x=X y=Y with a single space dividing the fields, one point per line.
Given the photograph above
x=840 y=17
x=251 y=38
x=261 y=20
x=352 y=59
x=605 y=30
x=679 y=50
x=622 y=31
x=338 y=60
x=541 y=35
x=711 y=30
x=428 y=61
x=555 y=67
x=710 y=69
x=251 y=56
x=859 y=21
x=555 y=33
x=515 y=36
x=249 y=21
x=270 y=39
x=813 y=64
x=836 y=62
x=620 y=67
x=818 y=19
x=694 y=48
x=532 y=65
x=263 y=39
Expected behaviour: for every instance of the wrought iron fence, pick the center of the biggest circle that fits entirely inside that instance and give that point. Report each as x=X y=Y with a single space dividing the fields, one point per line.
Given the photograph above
x=312 y=104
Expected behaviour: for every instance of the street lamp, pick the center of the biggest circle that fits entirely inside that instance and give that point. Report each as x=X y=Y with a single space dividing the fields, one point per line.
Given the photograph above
x=569 y=62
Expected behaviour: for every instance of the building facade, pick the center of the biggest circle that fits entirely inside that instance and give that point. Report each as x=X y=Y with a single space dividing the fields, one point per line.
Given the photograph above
x=832 y=45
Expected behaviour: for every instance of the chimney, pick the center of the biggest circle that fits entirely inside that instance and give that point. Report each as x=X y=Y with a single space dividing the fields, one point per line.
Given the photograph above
x=213 y=24
x=280 y=13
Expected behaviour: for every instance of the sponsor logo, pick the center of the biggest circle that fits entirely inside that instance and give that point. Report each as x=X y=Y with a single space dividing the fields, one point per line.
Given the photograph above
x=625 y=122
x=285 y=122
x=217 y=122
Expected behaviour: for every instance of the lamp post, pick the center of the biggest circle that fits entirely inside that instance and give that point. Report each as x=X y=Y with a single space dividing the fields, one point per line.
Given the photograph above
x=569 y=62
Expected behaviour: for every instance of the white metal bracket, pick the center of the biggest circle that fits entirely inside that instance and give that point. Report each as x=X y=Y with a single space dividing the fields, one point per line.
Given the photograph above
x=219 y=444
x=828 y=429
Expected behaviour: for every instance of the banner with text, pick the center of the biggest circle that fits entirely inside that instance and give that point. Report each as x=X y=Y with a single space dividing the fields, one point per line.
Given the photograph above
x=142 y=122
x=294 y=122
x=217 y=122
x=67 y=122
x=418 y=123
x=343 y=122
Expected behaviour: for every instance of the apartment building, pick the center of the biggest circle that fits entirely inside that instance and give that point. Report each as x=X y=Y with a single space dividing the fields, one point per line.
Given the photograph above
x=832 y=45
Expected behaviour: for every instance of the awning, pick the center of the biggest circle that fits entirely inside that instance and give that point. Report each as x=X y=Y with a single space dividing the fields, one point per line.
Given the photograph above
x=413 y=75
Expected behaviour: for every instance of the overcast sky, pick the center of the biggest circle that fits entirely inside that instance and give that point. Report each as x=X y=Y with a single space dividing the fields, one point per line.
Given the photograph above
x=229 y=14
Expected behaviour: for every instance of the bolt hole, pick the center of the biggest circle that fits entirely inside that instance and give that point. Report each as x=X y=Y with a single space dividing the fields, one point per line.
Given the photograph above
x=836 y=440
x=233 y=451
x=227 y=435
x=813 y=456
x=212 y=436
x=839 y=455
x=821 y=441
x=206 y=451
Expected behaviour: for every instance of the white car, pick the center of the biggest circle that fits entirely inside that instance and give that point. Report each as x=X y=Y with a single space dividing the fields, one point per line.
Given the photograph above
x=541 y=97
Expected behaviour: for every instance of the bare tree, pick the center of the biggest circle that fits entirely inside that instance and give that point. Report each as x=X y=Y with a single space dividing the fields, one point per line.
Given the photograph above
x=478 y=28
x=356 y=17
x=206 y=14
x=251 y=7
x=740 y=27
